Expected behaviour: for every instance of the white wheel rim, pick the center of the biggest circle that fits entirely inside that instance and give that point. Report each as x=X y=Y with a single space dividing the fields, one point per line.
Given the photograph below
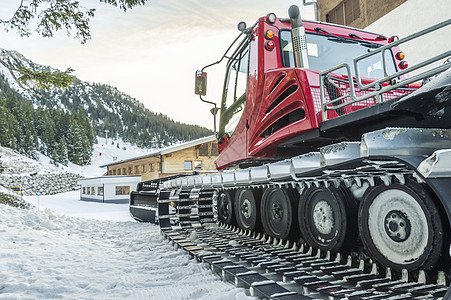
x=246 y=208
x=323 y=217
x=412 y=246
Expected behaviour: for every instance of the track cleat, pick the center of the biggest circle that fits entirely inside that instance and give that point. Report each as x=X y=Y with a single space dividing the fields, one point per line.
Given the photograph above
x=441 y=279
x=421 y=277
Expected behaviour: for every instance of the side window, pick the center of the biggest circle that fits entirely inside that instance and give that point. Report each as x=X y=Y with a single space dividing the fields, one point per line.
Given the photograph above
x=122 y=190
x=235 y=90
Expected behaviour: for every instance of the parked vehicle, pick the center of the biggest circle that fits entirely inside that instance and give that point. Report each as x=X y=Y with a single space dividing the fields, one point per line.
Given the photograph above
x=326 y=140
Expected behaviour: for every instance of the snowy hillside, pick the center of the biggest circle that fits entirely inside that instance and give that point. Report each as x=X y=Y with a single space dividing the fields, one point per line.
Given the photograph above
x=104 y=152
x=15 y=163
x=106 y=107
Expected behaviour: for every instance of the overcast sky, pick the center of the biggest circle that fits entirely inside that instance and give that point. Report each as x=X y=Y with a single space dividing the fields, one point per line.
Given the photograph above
x=151 y=52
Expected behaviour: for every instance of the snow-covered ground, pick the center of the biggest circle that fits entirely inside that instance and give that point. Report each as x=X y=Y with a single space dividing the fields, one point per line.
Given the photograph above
x=65 y=248
x=72 y=249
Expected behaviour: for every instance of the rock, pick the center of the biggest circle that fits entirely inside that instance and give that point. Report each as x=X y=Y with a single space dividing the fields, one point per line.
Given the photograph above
x=48 y=184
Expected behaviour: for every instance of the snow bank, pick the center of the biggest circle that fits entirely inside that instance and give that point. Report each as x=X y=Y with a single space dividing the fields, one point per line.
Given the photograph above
x=15 y=163
x=46 y=256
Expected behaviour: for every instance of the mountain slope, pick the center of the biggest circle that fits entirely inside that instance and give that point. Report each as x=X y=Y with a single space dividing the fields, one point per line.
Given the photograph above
x=106 y=107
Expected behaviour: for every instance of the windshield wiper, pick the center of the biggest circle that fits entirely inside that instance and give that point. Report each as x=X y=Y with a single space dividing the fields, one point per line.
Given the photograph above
x=318 y=29
x=341 y=40
x=353 y=35
x=364 y=42
x=369 y=44
x=335 y=38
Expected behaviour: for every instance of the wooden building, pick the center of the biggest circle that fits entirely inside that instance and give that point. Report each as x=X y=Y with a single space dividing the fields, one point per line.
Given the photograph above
x=197 y=155
x=355 y=13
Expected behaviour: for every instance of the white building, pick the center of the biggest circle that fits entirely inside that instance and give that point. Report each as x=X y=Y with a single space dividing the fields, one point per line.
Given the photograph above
x=109 y=189
x=413 y=16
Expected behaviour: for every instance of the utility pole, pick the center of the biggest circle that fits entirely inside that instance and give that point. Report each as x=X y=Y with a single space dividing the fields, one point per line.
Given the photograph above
x=106 y=136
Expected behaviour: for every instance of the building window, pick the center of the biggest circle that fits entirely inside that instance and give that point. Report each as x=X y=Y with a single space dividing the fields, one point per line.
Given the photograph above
x=84 y=190
x=152 y=167
x=344 y=13
x=93 y=190
x=129 y=170
x=352 y=11
x=110 y=172
x=188 y=165
x=336 y=15
x=124 y=171
x=88 y=190
x=136 y=169
x=114 y=172
x=122 y=190
x=144 y=168
x=100 y=191
x=203 y=150
x=197 y=165
x=214 y=149
x=118 y=171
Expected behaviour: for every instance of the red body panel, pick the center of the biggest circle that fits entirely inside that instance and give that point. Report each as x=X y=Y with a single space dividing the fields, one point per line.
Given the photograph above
x=268 y=80
x=275 y=84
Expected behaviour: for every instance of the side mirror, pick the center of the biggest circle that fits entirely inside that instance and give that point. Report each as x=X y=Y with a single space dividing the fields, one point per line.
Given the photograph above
x=200 y=87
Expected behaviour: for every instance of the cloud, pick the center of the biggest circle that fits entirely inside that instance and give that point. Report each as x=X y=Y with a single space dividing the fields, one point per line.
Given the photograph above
x=212 y=14
x=151 y=52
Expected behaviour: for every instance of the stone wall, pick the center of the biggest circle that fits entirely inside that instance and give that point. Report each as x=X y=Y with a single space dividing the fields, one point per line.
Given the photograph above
x=48 y=184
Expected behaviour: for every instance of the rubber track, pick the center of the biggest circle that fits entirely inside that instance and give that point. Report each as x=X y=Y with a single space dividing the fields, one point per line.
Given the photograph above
x=274 y=271
x=270 y=270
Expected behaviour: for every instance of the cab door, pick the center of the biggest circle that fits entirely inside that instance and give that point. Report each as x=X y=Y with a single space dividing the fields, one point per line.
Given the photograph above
x=232 y=132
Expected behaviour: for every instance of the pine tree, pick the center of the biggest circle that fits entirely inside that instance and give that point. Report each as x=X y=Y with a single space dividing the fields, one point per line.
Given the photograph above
x=28 y=145
x=87 y=149
x=48 y=135
x=8 y=126
x=74 y=144
x=55 y=157
x=62 y=152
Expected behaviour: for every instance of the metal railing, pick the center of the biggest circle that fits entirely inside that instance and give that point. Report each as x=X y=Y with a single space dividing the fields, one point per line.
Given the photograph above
x=376 y=88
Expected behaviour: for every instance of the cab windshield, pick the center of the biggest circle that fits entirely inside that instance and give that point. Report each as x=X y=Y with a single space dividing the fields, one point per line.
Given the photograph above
x=326 y=51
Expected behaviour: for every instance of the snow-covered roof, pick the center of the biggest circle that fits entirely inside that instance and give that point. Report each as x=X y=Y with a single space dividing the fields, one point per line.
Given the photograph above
x=168 y=150
x=109 y=179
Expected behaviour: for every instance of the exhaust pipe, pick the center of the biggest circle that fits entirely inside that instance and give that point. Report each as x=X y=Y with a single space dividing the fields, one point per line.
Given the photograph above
x=298 y=35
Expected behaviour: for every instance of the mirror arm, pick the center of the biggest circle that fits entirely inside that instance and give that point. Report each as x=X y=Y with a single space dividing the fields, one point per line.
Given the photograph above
x=214 y=111
x=225 y=53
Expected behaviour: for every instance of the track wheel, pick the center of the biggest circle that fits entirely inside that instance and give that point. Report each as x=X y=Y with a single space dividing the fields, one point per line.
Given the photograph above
x=401 y=227
x=328 y=218
x=225 y=207
x=246 y=209
x=278 y=205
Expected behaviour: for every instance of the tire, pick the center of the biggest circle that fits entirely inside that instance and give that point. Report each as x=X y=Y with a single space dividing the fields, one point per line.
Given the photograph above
x=401 y=227
x=246 y=209
x=278 y=206
x=328 y=218
x=225 y=207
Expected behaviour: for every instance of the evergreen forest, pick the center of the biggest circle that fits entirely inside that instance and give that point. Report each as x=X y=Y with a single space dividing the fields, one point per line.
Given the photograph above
x=59 y=134
x=63 y=123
